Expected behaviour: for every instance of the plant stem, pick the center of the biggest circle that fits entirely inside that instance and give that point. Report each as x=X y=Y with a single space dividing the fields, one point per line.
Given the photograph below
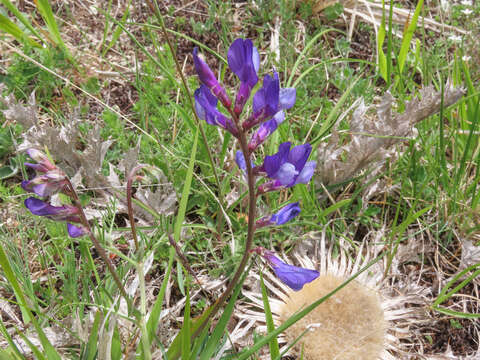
x=251 y=224
x=130 y=179
x=101 y=251
x=143 y=312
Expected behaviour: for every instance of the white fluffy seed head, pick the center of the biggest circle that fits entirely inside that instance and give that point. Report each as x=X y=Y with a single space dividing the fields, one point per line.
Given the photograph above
x=350 y=325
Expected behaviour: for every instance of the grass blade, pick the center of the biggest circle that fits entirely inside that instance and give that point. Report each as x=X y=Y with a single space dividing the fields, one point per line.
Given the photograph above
x=47 y=14
x=219 y=330
x=273 y=344
x=381 y=58
x=186 y=327
x=90 y=352
x=27 y=315
x=14 y=10
x=407 y=37
x=11 y=28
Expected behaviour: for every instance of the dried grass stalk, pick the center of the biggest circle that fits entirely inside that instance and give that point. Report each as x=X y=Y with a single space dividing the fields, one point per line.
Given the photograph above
x=371 y=137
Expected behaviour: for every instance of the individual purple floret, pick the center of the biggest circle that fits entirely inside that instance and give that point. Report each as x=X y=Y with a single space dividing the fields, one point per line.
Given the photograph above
x=287 y=167
x=49 y=180
x=67 y=213
x=283 y=216
x=57 y=213
x=240 y=160
x=52 y=182
x=269 y=100
x=265 y=129
x=244 y=61
x=76 y=231
x=292 y=276
x=207 y=77
x=43 y=163
x=206 y=108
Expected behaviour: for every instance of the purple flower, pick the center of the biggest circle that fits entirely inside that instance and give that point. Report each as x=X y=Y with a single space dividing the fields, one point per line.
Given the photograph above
x=45 y=185
x=207 y=77
x=287 y=167
x=265 y=129
x=44 y=164
x=283 y=216
x=292 y=276
x=269 y=100
x=57 y=213
x=49 y=180
x=76 y=231
x=244 y=61
x=206 y=108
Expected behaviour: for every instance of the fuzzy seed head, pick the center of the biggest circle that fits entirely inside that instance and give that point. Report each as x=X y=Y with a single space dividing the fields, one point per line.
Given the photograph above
x=349 y=325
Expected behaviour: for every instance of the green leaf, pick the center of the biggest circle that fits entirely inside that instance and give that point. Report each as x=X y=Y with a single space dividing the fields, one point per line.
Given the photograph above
x=445 y=294
x=14 y=10
x=333 y=115
x=381 y=58
x=333 y=12
x=11 y=28
x=12 y=351
x=7 y=171
x=335 y=207
x=186 y=328
x=90 y=352
x=45 y=10
x=407 y=37
x=174 y=350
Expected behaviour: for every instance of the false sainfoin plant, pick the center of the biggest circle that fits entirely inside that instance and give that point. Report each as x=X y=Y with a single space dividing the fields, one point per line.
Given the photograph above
x=286 y=168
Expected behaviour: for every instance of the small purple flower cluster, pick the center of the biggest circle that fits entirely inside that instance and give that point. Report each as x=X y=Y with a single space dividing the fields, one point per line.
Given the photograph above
x=286 y=168
x=50 y=180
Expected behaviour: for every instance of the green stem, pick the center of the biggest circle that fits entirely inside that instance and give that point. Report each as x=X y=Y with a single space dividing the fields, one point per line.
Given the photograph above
x=143 y=312
x=101 y=251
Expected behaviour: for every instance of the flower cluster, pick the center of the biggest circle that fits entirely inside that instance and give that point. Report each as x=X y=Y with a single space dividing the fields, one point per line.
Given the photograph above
x=288 y=167
x=50 y=180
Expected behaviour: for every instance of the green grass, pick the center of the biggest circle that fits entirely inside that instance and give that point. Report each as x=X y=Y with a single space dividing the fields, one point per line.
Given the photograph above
x=51 y=276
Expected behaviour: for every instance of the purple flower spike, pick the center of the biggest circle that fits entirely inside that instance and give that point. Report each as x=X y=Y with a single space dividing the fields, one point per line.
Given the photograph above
x=292 y=276
x=206 y=109
x=267 y=128
x=58 y=213
x=76 y=231
x=269 y=100
x=287 y=167
x=244 y=61
x=207 y=77
x=283 y=216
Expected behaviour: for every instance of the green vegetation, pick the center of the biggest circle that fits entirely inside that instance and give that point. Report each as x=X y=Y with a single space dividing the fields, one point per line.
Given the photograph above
x=111 y=70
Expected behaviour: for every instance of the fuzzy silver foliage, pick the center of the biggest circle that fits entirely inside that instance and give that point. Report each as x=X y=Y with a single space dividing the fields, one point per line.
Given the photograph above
x=371 y=138
x=85 y=166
